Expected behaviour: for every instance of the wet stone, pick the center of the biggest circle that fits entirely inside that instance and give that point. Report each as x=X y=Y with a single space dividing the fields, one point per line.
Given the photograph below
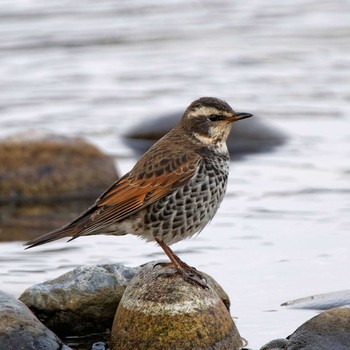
x=21 y=330
x=328 y=330
x=323 y=301
x=99 y=346
x=81 y=301
x=40 y=167
x=276 y=344
x=159 y=311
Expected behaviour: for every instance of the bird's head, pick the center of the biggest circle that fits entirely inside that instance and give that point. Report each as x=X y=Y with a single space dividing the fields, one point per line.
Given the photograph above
x=209 y=120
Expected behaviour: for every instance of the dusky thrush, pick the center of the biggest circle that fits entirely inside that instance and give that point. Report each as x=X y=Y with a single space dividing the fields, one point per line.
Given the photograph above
x=172 y=192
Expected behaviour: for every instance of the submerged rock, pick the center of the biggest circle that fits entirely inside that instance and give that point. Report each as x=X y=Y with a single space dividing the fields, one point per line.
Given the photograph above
x=328 y=330
x=253 y=136
x=323 y=301
x=36 y=167
x=81 y=301
x=21 y=330
x=25 y=221
x=166 y=312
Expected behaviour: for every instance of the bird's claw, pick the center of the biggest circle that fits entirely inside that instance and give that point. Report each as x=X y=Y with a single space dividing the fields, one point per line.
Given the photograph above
x=188 y=276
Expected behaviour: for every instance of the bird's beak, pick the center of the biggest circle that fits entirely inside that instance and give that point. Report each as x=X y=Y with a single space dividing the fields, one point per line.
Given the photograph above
x=239 y=116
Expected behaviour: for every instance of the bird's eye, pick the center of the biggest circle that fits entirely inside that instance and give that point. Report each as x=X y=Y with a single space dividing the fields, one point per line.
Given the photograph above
x=216 y=117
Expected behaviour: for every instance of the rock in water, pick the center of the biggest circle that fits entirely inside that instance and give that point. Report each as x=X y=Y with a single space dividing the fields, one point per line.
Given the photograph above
x=43 y=167
x=81 y=301
x=245 y=138
x=21 y=330
x=326 y=331
x=323 y=301
x=161 y=312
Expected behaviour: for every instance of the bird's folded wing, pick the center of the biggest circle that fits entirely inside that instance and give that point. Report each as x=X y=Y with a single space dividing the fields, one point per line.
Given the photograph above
x=134 y=192
x=146 y=183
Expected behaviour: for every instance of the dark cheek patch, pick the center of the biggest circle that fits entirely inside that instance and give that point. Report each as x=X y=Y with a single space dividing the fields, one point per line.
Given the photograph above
x=201 y=126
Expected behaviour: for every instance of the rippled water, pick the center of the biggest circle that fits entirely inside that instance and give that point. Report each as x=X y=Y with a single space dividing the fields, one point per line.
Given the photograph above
x=97 y=68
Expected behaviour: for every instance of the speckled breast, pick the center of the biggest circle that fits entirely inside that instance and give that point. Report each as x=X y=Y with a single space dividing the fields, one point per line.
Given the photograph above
x=188 y=209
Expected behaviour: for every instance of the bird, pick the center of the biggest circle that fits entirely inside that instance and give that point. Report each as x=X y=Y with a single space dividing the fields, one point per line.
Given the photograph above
x=173 y=191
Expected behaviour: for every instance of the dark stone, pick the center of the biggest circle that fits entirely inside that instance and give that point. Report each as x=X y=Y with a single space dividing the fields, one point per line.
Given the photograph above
x=251 y=136
x=328 y=330
x=21 y=330
x=276 y=344
x=81 y=301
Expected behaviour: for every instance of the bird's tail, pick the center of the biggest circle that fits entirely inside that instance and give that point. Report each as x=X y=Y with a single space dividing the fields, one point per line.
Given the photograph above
x=51 y=236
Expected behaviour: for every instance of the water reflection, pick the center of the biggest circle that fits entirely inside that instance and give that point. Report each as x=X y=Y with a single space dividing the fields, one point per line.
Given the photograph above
x=22 y=222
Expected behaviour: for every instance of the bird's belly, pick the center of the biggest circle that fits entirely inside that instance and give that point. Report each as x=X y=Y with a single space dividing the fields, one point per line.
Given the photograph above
x=188 y=209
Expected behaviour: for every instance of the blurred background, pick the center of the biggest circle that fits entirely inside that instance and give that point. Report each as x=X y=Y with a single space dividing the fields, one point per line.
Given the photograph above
x=98 y=69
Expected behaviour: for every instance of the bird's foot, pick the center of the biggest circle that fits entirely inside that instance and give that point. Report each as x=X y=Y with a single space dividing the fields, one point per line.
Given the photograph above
x=188 y=274
x=181 y=266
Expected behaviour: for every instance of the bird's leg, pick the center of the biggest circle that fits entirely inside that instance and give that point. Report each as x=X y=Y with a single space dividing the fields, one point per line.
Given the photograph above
x=188 y=273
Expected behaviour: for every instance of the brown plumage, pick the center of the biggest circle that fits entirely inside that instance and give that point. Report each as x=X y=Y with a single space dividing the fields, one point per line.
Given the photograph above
x=172 y=192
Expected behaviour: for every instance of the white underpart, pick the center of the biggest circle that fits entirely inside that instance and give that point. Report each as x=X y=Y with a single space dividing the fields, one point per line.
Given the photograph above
x=221 y=147
x=209 y=141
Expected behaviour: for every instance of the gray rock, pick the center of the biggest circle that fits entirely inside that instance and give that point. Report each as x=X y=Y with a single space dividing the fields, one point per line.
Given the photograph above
x=251 y=136
x=328 y=330
x=21 y=330
x=81 y=301
x=323 y=301
x=161 y=311
x=276 y=344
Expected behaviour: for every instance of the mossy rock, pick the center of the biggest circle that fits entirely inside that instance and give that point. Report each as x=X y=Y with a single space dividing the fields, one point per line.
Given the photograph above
x=160 y=310
x=50 y=168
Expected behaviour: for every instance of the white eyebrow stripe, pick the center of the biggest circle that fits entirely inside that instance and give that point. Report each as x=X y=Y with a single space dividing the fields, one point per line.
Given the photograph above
x=207 y=111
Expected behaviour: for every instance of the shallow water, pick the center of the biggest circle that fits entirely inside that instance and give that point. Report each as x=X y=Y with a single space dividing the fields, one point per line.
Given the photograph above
x=96 y=69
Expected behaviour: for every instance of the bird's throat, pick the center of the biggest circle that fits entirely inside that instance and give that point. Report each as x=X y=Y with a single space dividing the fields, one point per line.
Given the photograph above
x=217 y=145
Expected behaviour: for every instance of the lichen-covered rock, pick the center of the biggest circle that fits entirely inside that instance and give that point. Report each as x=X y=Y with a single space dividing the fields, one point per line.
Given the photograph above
x=328 y=330
x=166 y=312
x=41 y=167
x=21 y=330
x=80 y=301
